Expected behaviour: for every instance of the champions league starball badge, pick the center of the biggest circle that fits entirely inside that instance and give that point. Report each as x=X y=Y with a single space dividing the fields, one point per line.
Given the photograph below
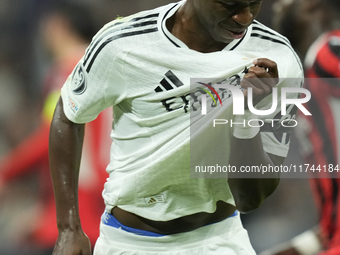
x=79 y=80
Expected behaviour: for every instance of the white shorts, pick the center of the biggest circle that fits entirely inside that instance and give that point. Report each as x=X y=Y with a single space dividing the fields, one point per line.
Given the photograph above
x=225 y=237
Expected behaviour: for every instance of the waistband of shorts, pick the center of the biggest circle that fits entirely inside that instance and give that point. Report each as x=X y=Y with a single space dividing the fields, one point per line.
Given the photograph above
x=222 y=230
x=109 y=220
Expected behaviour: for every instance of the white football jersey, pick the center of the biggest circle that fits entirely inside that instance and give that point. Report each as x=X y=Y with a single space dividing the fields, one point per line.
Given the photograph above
x=136 y=66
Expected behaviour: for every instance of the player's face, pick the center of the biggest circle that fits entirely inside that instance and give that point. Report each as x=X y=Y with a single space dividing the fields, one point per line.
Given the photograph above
x=226 y=20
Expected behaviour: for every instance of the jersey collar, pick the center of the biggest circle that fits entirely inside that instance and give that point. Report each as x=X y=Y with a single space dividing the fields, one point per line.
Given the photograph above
x=237 y=43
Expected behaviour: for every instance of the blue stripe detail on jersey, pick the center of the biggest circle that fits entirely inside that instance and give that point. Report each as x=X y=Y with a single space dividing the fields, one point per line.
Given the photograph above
x=146 y=31
x=110 y=220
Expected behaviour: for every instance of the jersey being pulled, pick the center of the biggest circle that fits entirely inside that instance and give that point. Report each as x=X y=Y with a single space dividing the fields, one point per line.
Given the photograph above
x=137 y=66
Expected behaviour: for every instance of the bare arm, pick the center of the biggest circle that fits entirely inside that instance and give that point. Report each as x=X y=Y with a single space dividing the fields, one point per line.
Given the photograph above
x=249 y=193
x=65 y=147
x=251 y=189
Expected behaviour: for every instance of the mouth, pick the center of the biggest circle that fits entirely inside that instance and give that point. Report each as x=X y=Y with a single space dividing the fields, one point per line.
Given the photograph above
x=236 y=34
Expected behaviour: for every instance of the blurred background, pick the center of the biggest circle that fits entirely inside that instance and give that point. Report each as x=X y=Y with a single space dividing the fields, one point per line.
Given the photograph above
x=32 y=61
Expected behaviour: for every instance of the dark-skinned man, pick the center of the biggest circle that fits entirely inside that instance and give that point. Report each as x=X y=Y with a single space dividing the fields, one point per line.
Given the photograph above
x=145 y=66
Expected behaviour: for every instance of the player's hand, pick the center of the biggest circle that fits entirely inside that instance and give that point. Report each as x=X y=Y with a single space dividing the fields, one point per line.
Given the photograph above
x=72 y=243
x=261 y=77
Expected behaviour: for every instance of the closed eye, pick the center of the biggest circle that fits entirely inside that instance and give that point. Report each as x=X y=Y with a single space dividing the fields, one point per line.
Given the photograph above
x=228 y=5
x=255 y=3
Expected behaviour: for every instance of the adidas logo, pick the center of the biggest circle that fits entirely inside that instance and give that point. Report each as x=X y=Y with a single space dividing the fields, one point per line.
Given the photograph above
x=152 y=201
x=155 y=199
x=169 y=82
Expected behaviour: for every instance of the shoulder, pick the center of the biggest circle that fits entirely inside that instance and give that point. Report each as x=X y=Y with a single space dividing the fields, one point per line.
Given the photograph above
x=139 y=23
x=270 y=42
x=123 y=34
x=132 y=27
x=326 y=47
x=265 y=33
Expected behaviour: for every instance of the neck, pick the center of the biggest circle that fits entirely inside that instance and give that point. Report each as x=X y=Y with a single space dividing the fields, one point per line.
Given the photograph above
x=186 y=26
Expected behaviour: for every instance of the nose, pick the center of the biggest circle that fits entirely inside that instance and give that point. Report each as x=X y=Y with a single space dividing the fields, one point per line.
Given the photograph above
x=243 y=17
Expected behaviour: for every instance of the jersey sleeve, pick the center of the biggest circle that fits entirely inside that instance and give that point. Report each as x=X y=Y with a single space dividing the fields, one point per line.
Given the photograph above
x=96 y=83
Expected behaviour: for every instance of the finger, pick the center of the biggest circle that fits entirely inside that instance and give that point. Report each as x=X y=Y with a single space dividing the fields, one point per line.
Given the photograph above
x=264 y=84
x=249 y=83
x=260 y=72
x=259 y=89
x=263 y=75
x=269 y=65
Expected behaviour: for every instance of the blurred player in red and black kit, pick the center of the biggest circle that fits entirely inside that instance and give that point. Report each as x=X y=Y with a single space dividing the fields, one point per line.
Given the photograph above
x=316 y=37
x=67 y=30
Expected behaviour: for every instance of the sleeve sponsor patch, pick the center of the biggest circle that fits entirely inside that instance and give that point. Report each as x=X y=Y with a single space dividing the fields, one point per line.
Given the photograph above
x=73 y=105
x=78 y=82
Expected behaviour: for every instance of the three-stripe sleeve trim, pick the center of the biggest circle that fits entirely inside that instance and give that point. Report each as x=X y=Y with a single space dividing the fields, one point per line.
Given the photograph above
x=114 y=32
x=259 y=31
